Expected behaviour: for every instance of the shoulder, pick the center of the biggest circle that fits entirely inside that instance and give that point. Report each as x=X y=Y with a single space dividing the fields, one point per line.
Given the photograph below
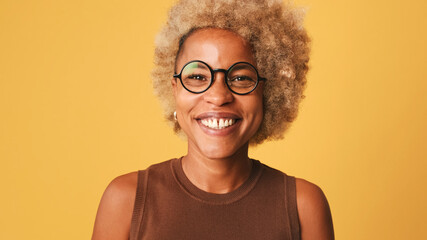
x=309 y=195
x=122 y=188
x=115 y=209
x=314 y=212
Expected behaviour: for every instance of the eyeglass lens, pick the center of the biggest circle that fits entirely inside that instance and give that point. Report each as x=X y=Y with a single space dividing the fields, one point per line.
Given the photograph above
x=197 y=77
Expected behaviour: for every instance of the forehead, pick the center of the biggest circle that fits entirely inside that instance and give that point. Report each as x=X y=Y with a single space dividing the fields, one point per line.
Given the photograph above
x=218 y=47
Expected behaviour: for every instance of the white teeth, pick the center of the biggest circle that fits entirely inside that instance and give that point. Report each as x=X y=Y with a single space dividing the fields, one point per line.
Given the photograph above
x=218 y=123
x=214 y=123
x=221 y=123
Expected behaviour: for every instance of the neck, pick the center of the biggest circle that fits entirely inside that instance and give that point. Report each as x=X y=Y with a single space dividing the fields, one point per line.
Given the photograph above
x=217 y=175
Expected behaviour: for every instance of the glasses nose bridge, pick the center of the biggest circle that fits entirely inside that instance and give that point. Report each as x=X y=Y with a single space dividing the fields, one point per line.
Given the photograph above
x=218 y=92
x=225 y=71
x=224 y=82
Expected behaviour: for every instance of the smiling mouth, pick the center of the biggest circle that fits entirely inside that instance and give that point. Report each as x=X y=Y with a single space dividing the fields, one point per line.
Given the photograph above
x=215 y=123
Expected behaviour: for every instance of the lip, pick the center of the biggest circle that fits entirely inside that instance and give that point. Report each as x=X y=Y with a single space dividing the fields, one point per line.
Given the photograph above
x=218 y=132
x=218 y=115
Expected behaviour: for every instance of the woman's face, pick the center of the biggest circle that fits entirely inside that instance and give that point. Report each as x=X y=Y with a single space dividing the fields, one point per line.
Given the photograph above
x=197 y=113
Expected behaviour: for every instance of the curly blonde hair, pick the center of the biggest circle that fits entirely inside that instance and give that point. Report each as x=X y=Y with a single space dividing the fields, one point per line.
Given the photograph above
x=280 y=45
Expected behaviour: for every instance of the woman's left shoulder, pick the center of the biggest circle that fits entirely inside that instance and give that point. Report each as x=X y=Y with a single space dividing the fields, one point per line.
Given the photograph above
x=309 y=193
x=313 y=210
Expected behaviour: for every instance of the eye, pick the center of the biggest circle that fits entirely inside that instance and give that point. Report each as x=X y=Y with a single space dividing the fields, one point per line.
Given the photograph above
x=197 y=80
x=241 y=78
x=241 y=81
x=197 y=77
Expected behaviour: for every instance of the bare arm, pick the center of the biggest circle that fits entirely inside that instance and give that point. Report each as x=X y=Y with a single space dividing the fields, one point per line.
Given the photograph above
x=115 y=210
x=314 y=213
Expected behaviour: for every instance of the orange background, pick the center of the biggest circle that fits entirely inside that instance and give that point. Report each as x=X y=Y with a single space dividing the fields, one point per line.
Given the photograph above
x=77 y=109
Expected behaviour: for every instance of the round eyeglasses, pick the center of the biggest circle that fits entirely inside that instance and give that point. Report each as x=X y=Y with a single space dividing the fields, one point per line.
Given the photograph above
x=197 y=76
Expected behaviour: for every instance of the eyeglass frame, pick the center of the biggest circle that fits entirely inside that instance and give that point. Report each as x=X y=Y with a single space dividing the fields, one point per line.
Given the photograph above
x=225 y=71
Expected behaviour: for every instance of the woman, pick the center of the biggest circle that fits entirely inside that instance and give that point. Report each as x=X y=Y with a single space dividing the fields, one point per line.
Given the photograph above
x=229 y=75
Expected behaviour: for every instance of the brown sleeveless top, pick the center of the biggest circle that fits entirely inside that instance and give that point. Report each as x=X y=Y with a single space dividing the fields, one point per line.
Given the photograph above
x=168 y=206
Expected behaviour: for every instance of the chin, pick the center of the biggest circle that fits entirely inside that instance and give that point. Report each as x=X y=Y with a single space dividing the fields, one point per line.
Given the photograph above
x=217 y=151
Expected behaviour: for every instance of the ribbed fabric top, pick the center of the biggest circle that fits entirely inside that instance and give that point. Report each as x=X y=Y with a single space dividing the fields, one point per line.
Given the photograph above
x=213 y=198
x=169 y=206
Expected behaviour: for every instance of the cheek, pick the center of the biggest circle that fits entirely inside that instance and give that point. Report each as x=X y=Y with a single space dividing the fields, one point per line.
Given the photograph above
x=185 y=102
x=182 y=98
x=254 y=110
x=257 y=102
x=259 y=112
x=259 y=109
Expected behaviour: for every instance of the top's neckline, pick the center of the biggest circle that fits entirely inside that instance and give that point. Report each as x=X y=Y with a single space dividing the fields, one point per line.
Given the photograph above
x=215 y=198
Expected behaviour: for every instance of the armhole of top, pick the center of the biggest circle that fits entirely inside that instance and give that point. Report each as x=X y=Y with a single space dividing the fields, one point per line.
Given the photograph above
x=291 y=199
x=138 y=208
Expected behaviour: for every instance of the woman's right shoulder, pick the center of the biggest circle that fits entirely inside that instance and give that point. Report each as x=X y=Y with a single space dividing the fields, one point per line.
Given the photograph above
x=124 y=184
x=122 y=189
x=115 y=210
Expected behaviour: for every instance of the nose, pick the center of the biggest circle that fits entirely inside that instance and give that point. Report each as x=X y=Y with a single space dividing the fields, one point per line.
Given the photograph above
x=218 y=93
